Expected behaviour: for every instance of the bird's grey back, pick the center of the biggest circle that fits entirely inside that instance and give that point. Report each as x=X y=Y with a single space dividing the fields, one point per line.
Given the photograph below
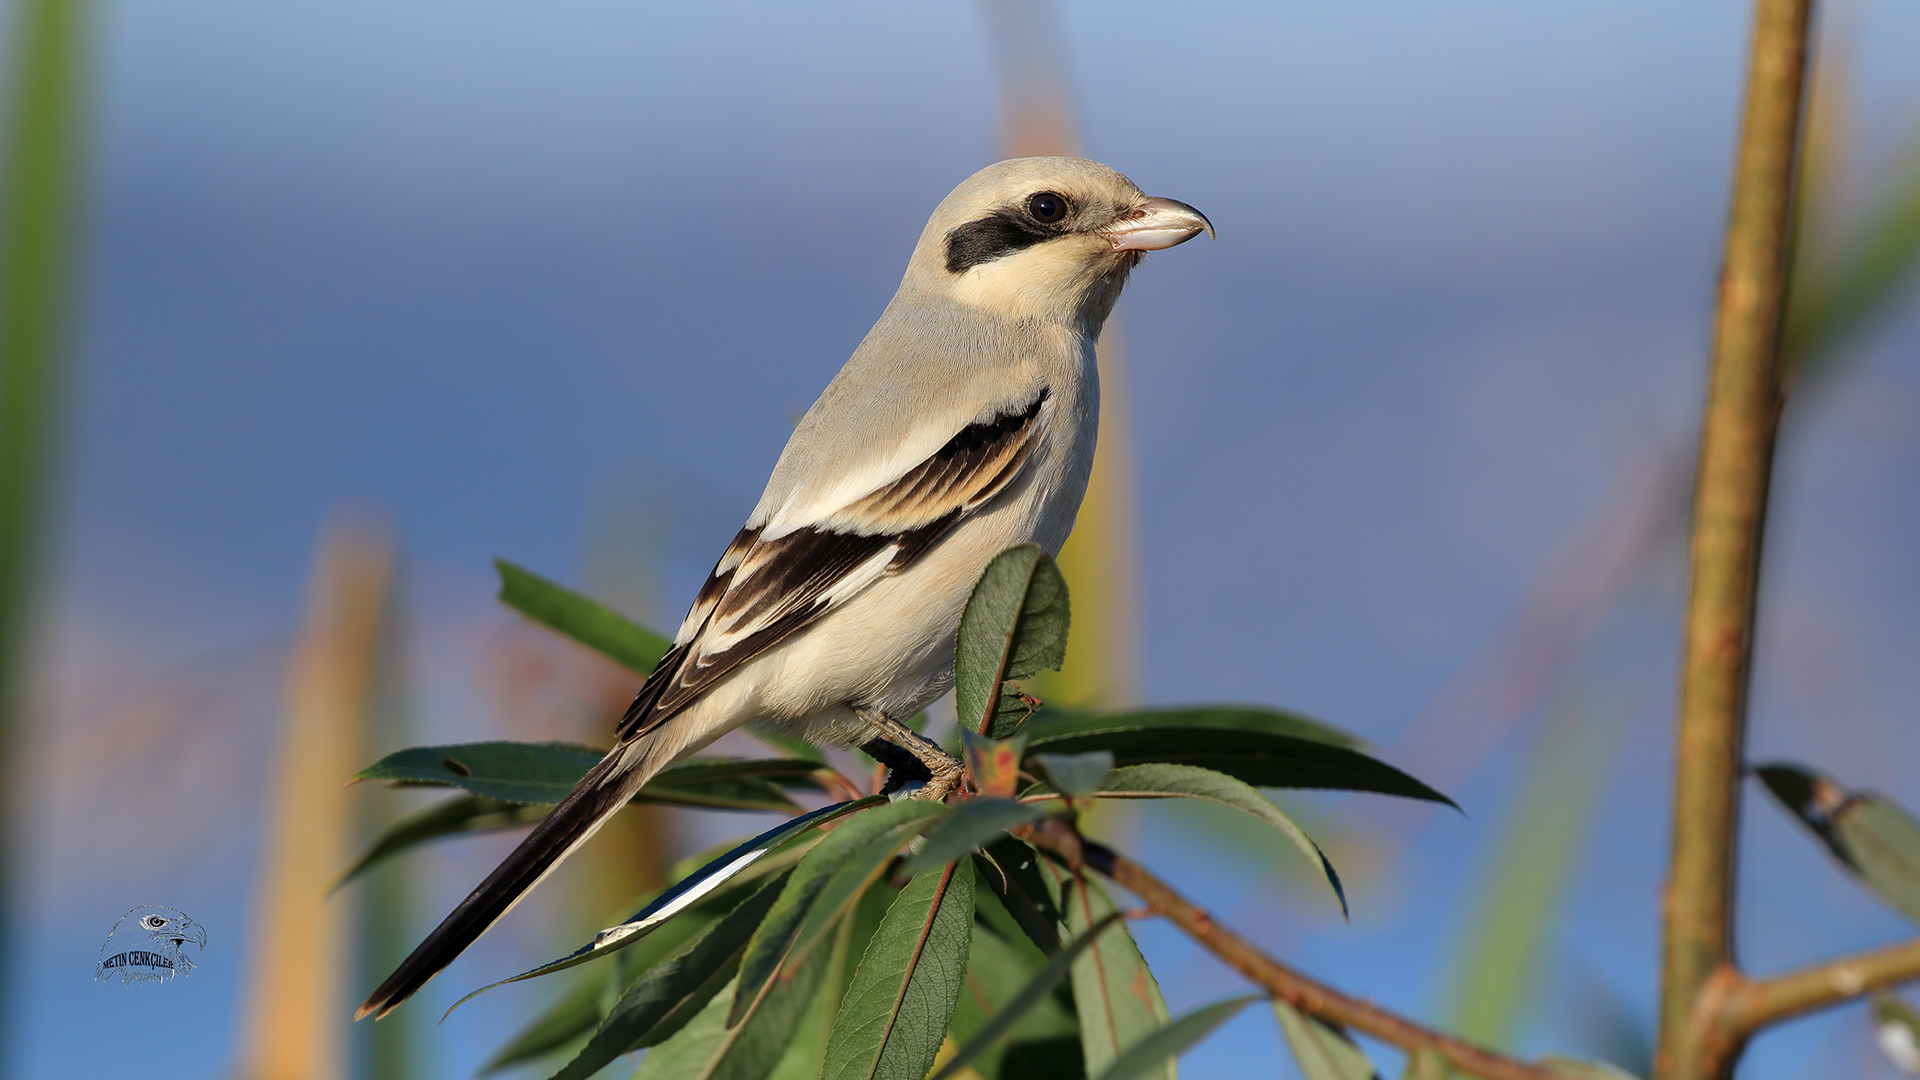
x=929 y=367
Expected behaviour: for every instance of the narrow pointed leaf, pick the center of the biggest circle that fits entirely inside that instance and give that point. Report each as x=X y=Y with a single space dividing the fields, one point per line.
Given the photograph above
x=1153 y=1053
x=686 y=893
x=853 y=853
x=972 y=824
x=1115 y=993
x=1187 y=781
x=707 y=1049
x=588 y=622
x=1259 y=758
x=543 y=773
x=1043 y=982
x=1323 y=1051
x=1258 y=719
x=1873 y=837
x=663 y=1000
x=896 y=1011
x=577 y=1012
x=1015 y=625
x=463 y=815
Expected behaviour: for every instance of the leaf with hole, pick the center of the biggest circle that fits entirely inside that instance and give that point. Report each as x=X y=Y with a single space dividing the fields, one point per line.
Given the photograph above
x=1324 y=1051
x=1258 y=758
x=543 y=773
x=1154 y=1053
x=897 y=1009
x=1874 y=838
x=1014 y=626
x=586 y=621
x=662 y=1001
x=463 y=815
x=829 y=879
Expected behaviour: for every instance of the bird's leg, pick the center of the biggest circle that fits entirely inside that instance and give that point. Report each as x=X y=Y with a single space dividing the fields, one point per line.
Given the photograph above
x=943 y=770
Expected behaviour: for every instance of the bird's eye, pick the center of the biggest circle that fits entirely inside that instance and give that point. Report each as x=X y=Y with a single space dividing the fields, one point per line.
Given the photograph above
x=1047 y=208
x=156 y=921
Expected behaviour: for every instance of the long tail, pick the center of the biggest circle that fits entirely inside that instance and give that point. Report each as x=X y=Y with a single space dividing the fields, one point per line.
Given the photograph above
x=605 y=789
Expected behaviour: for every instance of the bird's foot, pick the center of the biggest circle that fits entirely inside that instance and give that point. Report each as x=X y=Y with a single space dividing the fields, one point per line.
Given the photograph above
x=915 y=763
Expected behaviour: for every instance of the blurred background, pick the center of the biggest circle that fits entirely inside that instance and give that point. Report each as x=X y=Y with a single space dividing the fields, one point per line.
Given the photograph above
x=1408 y=449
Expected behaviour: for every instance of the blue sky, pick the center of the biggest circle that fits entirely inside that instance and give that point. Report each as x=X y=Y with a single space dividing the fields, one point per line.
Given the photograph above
x=506 y=271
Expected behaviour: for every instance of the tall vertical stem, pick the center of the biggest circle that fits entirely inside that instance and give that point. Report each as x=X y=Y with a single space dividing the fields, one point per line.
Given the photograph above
x=1736 y=458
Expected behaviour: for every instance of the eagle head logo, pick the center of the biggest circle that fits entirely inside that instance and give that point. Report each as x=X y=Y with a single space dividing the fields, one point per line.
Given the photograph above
x=145 y=945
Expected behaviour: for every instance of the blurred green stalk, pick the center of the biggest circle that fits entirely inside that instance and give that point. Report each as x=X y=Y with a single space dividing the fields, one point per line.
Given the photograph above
x=40 y=208
x=1521 y=899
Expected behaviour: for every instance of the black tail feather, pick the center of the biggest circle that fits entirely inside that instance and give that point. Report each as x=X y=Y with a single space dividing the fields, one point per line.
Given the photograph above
x=605 y=789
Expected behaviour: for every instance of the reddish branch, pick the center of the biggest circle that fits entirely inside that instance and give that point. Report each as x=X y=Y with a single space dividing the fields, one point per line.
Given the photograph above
x=1282 y=982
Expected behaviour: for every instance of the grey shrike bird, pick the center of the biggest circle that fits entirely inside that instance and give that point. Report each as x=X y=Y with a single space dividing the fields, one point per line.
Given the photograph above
x=964 y=424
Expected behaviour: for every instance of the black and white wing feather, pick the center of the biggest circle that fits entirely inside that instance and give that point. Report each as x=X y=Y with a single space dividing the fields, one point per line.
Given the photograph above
x=767 y=586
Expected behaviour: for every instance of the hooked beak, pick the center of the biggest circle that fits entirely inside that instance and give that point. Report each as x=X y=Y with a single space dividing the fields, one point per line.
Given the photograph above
x=1156 y=224
x=193 y=932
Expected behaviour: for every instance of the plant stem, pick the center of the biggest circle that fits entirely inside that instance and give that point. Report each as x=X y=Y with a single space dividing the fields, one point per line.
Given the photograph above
x=1736 y=457
x=1745 y=1007
x=1303 y=993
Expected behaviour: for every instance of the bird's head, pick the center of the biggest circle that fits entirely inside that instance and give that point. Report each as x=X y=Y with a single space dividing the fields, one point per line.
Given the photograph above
x=1045 y=238
x=169 y=927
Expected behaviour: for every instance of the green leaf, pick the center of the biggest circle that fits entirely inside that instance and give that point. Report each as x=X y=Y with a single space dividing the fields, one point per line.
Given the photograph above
x=707 y=1049
x=1253 y=718
x=663 y=1000
x=1872 y=837
x=1114 y=992
x=588 y=622
x=1153 y=1053
x=687 y=892
x=973 y=823
x=1323 y=1051
x=849 y=857
x=1073 y=774
x=1037 y=988
x=1014 y=625
x=896 y=1012
x=515 y=772
x=1042 y=1044
x=1587 y=1070
x=1159 y=781
x=543 y=773
x=462 y=815
x=576 y=1013
x=1896 y=1029
x=1259 y=758
x=1425 y=1064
